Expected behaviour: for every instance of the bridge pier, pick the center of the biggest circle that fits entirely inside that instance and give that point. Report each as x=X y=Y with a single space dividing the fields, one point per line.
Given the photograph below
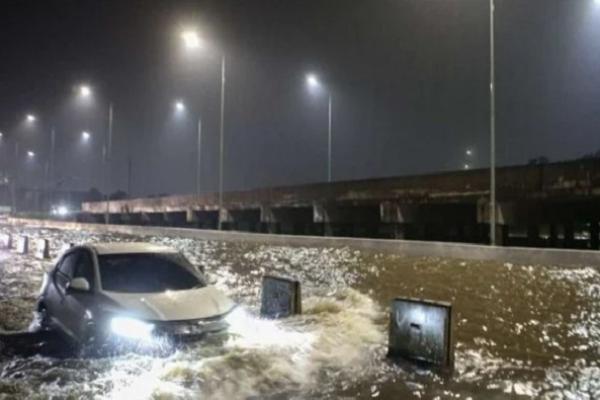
x=175 y=218
x=245 y=220
x=114 y=219
x=594 y=239
x=153 y=218
x=569 y=236
x=347 y=220
x=397 y=219
x=505 y=217
x=288 y=220
x=533 y=235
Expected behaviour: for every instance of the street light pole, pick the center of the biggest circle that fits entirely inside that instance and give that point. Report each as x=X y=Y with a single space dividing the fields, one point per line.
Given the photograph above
x=221 y=144
x=313 y=82
x=492 y=130
x=199 y=157
x=51 y=174
x=329 y=139
x=107 y=157
x=14 y=179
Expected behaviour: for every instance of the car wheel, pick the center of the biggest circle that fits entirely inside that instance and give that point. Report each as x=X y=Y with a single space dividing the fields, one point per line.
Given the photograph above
x=93 y=341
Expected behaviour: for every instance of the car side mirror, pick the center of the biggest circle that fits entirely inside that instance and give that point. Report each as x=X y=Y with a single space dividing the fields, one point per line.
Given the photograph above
x=78 y=285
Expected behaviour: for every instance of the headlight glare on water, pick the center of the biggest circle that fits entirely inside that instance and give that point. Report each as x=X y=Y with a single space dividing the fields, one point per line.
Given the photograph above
x=131 y=328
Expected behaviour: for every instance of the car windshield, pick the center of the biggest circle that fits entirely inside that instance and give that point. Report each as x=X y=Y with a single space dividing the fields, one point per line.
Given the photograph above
x=147 y=273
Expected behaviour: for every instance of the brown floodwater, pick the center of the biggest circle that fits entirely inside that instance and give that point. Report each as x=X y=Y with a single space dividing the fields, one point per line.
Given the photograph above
x=520 y=331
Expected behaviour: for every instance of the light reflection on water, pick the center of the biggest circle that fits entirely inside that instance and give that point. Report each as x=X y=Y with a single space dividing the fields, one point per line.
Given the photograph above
x=520 y=330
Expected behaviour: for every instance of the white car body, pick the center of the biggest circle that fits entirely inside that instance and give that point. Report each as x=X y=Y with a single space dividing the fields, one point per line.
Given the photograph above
x=92 y=294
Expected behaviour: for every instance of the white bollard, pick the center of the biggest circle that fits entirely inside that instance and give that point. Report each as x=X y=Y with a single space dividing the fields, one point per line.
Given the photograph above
x=23 y=245
x=42 y=249
x=5 y=241
x=280 y=297
x=420 y=331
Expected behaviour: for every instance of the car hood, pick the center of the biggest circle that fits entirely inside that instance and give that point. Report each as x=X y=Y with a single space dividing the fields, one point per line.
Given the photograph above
x=173 y=305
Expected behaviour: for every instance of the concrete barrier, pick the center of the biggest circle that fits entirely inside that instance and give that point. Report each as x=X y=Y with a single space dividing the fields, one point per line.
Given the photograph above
x=23 y=245
x=5 y=241
x=42 y=249
x=406 y=247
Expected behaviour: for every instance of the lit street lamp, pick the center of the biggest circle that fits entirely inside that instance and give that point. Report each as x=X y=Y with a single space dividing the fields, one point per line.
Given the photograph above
x=312 y=80
x=313 y=83
x=85 y=91
x=30 y=118
x=30 y=154
x=179 y=106
x=85 y=136
x=192 y=42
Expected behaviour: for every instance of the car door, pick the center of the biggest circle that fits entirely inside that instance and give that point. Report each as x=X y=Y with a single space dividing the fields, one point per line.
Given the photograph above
x=59 y=279
x=77 y=303
x=67 y=308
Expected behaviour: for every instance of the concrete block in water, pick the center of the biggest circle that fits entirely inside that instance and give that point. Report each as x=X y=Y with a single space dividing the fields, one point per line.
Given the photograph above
x=5 y=241
x=42 y=249
x=420 y=330
x=280 y=297
x=23 y=245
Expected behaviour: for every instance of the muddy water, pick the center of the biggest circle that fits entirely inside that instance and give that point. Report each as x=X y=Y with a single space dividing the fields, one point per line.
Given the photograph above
x=521 y=331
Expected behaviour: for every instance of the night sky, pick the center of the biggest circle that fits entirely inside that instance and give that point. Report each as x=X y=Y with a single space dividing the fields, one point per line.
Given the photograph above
x=409 y=80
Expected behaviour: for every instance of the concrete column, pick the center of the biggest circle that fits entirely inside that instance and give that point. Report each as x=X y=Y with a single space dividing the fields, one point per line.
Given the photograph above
x=594 y=231
x=226 y=219
x=393 y=212
x=399 y=217
x=153 y=219
x=146 y=219
x=502 y=235
x=174 y=218
x=114 y=219
x=553 y=235
x=323 y=216
x=569 y=240
x=191 y=216
x=268 y=220
x=505 y=217
x=533 y=235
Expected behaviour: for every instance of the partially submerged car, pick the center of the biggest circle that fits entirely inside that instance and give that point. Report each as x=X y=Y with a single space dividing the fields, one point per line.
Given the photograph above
x=105 y=292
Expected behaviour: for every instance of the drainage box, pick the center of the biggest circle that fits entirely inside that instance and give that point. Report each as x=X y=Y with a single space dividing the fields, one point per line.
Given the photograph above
x=280 y=297
x=420 y=330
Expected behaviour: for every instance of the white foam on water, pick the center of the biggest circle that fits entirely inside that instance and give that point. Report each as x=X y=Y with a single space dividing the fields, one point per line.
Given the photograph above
x=264 y=357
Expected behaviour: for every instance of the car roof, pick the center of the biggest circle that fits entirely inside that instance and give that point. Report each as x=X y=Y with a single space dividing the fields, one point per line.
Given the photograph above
x=129 y=248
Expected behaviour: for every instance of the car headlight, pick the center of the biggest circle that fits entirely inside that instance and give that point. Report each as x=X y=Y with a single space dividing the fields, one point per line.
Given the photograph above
x=131 y=328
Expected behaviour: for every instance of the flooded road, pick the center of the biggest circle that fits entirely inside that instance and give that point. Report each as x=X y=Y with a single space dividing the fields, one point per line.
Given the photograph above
x=521 y=331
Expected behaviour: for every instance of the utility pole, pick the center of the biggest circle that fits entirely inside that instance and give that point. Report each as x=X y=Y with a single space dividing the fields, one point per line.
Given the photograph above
x=492 y=130
x=107 y=158
x=221 y=144
x=199 y=157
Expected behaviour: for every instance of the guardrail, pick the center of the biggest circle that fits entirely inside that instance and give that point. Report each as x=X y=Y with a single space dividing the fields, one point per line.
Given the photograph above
x=408 y=247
